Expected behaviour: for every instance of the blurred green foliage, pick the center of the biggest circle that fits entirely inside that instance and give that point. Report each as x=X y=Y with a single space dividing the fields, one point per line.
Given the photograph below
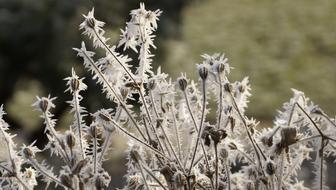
x=279 y=44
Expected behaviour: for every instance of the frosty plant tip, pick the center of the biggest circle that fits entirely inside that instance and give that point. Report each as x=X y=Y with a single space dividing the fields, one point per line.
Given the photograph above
x=166 y=150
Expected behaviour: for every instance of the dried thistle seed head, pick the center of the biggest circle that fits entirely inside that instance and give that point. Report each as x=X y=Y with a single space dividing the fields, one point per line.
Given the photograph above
x=80 y=165
x=228 y=87
x=220 y=67
x=232 y=146
x=218 y=135
x=150 y=85
x=44 y=104
x=209 y=173
x=93 y=131
x=90 y=22
x=70 y=139
x=66 y=180
x=74 y=84
x=241 y=88
x=207 y=134
x=203 y=72
x=267 y=141
x=134 y=155
x=28 y=152
x=223 y=153
x=124 y=92
x=167 y=172
x=288 y=136
x=182 y=82
x=270 y=168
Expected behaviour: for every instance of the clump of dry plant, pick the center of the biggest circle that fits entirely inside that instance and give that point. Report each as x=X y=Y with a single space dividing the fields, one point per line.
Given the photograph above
x=172 y=144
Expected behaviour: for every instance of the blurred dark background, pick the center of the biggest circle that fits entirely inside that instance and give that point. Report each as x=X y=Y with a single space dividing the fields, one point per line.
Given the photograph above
x=279 y=44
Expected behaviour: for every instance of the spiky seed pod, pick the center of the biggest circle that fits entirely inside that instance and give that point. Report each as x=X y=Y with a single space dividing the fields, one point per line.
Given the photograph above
x=74 y=84
x=232 y=146
x=228 y=87
x=218 y=135
x=167 y=172
x=220 y=67
x=223 y=153
x=207 y=134
x=203 y=72
x=270 y=168
x=66 y=180
x=268 y=141
x=124 y=92
x=93 y=131
x=134 y=155
x=44 y=104
x=182 y=83
x=288 y=136
x=151 y=84
x=91 y=22
x=28 y=153
x=80 y=165
x=70 y=140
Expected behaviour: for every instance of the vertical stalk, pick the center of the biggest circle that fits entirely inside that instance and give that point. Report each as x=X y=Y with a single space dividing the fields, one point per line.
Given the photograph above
x=79 y=127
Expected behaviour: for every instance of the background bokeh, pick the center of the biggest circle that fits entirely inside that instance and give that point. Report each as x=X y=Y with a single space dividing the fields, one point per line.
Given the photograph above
x=278 y=44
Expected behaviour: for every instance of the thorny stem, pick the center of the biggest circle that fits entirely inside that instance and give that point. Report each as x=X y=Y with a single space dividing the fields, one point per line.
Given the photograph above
x=53 y=132
x=122 y=104
x=282 y=157
x=200 y=129
x=150 y=120
x=95 y=152
x=176 y=133
x=220 y=101
x=79 y=127
x=153 y=103
x=227 y=169
x=107 y=140
x=254 y=144
x=216 y=169
x=171 y=147
x=156 y=136
x=195 y=127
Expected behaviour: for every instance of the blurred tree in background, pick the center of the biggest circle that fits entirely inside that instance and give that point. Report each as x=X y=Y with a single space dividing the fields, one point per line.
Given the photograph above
x=279 y=44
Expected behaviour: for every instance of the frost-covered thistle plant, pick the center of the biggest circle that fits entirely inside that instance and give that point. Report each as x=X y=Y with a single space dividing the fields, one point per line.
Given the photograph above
x=172 y=144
